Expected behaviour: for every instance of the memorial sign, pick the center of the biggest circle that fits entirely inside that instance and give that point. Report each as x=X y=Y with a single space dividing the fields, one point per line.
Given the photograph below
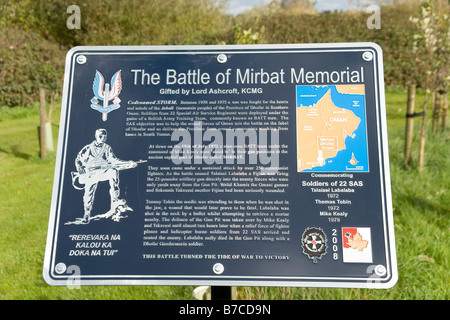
x=261 y=165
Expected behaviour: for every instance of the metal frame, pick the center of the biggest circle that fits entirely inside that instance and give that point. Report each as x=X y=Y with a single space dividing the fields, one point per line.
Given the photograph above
x=218 y=280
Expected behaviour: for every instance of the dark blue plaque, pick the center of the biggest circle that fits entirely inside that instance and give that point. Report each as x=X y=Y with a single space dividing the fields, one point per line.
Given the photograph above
x=260 y=165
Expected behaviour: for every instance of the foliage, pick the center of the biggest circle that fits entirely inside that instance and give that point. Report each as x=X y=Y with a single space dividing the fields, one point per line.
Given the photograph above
x=31 y=31
x=35 y=26
x=116 y=22
x=28 y=62
x=432 y=41
x=395 y=36
x=247 y=36
x=298 y=6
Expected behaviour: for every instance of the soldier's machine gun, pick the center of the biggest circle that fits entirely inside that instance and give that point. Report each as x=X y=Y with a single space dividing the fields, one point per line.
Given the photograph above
x=79 y=179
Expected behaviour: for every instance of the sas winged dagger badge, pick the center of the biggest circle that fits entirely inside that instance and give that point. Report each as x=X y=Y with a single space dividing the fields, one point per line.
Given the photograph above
x=107 y=94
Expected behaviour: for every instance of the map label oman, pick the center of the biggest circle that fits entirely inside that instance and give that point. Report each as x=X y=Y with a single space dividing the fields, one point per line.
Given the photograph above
x=321 y=132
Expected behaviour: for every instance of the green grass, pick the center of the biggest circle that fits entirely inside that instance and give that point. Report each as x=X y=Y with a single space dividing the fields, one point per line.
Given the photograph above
x=421 y=214
x=25 y=190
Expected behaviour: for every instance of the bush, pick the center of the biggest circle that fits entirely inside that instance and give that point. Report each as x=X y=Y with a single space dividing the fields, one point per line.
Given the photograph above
x=29 y=59
x=396 y=35
x=28 y=62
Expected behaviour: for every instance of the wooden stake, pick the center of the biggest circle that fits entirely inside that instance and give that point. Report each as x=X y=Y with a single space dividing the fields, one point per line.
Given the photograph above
x=48 y=124
x=423 y=133
x=43 y=120
x=409 y=131
x=444 y=110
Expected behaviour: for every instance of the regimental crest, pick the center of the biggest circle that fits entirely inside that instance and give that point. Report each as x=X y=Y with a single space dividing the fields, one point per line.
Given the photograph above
x=314 y=243
x=106 y=93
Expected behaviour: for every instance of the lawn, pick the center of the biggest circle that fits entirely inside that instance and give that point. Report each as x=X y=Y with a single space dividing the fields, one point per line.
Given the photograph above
x=421 y=214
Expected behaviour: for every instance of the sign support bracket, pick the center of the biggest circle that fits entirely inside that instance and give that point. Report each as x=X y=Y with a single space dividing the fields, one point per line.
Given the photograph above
x=221 y=293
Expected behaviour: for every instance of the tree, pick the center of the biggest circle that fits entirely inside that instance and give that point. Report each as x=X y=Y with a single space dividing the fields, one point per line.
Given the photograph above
x=299 y=6
x=432 y=41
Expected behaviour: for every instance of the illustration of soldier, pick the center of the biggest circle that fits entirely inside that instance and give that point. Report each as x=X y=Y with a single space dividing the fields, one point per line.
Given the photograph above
x=95 y=163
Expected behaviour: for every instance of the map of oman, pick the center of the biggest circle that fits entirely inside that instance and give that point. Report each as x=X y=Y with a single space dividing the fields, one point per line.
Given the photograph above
x=321 y=132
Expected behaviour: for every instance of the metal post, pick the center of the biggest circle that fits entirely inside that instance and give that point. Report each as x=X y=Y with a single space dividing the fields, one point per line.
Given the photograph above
x=221 y=293
x=43 y=120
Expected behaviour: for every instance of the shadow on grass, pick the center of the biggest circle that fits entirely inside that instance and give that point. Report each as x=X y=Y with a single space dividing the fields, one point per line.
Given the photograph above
x=16 y=153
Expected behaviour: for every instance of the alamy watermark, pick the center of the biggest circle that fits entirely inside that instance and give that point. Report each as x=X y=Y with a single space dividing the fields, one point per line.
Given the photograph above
x=377 y=272
x=73 y=281
x=239 y=146
x=74 y=21
x=374 y=21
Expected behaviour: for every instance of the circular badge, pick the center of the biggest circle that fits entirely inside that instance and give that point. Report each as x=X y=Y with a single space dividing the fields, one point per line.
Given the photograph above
x=60 y=268
x=218 y=268
x=81 y=59
x=222 y=58
x=380 y=270
x=367 y=56
x=314 y=243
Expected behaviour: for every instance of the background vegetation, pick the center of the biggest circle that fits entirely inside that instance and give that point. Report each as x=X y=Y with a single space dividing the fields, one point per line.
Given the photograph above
x=35 y=36
x=34 y=40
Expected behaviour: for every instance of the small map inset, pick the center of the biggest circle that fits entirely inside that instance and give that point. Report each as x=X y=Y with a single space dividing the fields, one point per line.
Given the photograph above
x=356 y=245
x=331 y=128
